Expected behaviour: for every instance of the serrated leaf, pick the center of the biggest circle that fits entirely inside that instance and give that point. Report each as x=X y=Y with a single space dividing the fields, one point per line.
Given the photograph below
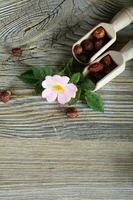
x=75 y=78
x=48 y=71
x=76 y=99
x=38 y=73
x=88 y=85
x=94 y=101
x=28 y=77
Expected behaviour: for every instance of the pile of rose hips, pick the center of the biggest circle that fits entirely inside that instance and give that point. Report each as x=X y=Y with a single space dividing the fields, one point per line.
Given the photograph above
x=100 y=69
x=90 y=46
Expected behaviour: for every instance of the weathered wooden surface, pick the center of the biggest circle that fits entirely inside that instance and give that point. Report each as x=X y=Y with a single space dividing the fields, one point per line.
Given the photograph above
x=65 y=170
x=43 y=155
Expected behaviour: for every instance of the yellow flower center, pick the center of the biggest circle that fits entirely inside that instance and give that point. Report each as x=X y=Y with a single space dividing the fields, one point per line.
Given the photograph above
x=58 y=88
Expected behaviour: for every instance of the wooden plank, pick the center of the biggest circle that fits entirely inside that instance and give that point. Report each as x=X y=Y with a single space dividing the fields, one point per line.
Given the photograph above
x=72 y=170
x=16 y=117
x=31 y=117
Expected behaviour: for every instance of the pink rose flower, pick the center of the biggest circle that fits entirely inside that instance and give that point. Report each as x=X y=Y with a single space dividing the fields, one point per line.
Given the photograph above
x=58 y=88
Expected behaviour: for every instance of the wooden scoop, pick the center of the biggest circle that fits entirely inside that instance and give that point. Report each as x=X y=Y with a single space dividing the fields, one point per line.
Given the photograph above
x=120 y=58
x=121 y=20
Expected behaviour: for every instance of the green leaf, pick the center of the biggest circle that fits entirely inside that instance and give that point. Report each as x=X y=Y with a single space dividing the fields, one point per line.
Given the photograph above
x=76 y=99
x=75 y=78
x=66 y=70
x=38 y=73
x=88 y=85
x=76 y=67
x=62 y=72
x=38 y=88
x=94 y=101
x=48 y=71
x=28 y=77
x=70 y=62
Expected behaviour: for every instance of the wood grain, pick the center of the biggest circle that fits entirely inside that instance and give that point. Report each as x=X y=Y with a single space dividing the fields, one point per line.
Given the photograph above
x=19 y=114
x=43 y=154
x=45 y=169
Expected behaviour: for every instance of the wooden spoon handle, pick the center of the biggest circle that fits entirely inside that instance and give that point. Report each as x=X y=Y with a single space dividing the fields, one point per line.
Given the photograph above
x=122 y=19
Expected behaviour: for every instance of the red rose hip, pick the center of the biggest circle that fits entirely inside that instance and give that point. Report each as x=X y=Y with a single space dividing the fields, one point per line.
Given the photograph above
x=108 y=69
x=98 y=44
x=96 y=67
x=5 y=96
x=83 y=57
x=72 y=113
x=77 y=49
x=16 y=52
x=87 y=45
x=107 y=60
x=99 y=33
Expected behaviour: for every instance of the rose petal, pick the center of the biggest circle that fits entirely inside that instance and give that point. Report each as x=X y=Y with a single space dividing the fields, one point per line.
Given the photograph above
x=49 y=94
x=48 y=82
x=71 y=90
x=63 y=98
x=63 y=80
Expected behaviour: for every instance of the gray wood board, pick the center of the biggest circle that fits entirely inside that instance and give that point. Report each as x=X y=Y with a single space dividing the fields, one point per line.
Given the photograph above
x=43 y=154
x=73 y=170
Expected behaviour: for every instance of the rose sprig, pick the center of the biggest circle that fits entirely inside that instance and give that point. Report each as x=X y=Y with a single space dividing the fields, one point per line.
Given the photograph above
x=72 y=85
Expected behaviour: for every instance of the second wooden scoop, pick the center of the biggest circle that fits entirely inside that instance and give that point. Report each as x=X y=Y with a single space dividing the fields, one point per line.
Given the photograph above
x=120 y=58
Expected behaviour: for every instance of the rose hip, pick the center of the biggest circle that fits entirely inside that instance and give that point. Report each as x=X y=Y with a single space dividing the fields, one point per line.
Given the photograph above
x=5 y=96
x=99 y=33
x=87 y=45
x=72 y=113
x=107 y=60
x=108 y=69
x=83 y=57
x=96 y=67
x=98 y=44
x=78 y=49
x=16 y=52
